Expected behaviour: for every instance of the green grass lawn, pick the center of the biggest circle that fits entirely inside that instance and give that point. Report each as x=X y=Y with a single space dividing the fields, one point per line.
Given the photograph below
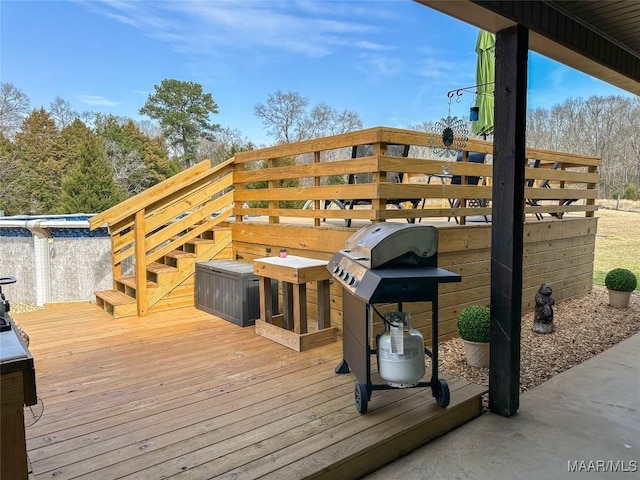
x=617 y=243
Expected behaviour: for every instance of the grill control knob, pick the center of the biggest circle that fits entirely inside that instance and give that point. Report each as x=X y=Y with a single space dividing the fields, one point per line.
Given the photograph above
x=336 y=268
x=352 y=281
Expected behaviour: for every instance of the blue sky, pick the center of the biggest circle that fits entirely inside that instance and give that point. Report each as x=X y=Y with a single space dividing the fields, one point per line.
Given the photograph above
x=390 y=61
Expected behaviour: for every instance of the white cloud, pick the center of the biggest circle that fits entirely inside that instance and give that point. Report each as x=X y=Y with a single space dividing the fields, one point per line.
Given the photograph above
x=97 y=100
x=452 y=71
x=377 y=66
x=240 y=26
x=557 y=76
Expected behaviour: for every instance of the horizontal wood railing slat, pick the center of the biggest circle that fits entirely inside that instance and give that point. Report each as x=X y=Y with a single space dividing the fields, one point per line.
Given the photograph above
x=337 y=167
x=128 y=207
x=170 y=211
x=213 y=176
x=363 y=190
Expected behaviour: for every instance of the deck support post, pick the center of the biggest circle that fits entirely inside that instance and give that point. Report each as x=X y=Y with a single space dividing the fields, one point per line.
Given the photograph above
x=140 y=263
x=507 y=226
x=316 y=182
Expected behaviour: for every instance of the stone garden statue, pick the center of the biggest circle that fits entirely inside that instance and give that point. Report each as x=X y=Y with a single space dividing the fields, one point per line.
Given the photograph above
x=543 y=312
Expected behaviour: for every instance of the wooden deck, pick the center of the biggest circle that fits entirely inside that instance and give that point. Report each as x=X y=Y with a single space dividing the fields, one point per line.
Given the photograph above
x=186 y=394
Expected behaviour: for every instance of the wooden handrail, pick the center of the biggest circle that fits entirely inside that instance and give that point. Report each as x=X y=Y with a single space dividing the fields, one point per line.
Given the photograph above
x=142 y=200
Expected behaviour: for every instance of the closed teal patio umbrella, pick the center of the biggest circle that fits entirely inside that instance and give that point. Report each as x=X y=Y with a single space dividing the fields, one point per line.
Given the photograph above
x=485 y=80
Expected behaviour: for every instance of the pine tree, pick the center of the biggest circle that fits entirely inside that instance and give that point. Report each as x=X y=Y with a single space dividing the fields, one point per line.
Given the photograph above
x=13 y=194
x=183 y=110
x=74 y=137
x=41 y=152
x=89 y=187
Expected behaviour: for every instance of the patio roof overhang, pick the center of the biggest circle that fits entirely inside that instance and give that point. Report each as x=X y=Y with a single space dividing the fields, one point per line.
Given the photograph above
x=601 y=39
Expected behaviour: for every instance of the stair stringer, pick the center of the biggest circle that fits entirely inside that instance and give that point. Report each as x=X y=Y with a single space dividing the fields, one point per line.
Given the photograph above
x=160 y=298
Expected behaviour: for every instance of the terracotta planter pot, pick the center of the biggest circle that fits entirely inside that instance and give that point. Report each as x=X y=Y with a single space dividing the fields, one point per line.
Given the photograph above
x=477 y=353
x=619 y=299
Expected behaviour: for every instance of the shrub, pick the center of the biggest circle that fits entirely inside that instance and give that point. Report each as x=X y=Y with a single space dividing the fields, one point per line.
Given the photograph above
x=621 y=280
x=630 y=193
x=474 y=323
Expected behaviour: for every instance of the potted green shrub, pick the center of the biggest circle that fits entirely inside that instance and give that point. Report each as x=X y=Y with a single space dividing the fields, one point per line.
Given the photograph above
x=474 y=329
x=620 y=282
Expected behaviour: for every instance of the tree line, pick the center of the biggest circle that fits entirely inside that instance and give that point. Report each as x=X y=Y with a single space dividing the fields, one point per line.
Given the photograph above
x=607 y=127
x=56 y=160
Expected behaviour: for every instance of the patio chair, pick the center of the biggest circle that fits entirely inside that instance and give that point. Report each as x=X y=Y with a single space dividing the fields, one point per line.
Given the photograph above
x=474 y=157
x=545 y=184
x=530 y=183
x=358 y=151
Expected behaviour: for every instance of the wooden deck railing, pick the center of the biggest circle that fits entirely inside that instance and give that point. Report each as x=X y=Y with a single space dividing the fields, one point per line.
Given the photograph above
x=296 y=180
x=311 y=165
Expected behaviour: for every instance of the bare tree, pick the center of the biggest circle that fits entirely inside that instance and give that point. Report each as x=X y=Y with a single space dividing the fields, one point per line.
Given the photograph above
x=14 y=107
x=286 y=117
x=601 y=126
x=225 y=145
x=538 y=128
x=129 y=171
x=62 y=113
x=324 y=120
x=149 y=128
x=281 y=114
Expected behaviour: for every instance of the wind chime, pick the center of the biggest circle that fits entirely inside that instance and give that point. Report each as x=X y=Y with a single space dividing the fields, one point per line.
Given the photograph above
x=452 y=133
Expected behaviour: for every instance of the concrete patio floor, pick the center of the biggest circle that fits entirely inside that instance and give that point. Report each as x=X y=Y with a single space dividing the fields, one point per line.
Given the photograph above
x=583 y=423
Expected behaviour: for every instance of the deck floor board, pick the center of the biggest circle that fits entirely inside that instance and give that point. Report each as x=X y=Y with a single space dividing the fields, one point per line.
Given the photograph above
x=188 y=395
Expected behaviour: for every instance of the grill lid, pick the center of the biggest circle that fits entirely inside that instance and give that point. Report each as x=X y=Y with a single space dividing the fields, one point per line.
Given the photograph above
x=391 y=262
x=392 y=245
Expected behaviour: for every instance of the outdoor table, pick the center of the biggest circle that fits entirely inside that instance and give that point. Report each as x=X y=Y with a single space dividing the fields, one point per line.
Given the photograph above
x=291 y=329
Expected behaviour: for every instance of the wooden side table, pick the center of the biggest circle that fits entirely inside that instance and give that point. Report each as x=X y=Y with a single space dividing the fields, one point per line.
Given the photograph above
x=290 y=328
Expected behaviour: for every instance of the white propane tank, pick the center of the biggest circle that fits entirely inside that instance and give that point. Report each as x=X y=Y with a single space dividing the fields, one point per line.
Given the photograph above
x=400 y=350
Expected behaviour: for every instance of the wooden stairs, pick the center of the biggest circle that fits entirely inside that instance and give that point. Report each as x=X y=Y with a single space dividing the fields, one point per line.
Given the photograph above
x=170 y=280
x=159 y=235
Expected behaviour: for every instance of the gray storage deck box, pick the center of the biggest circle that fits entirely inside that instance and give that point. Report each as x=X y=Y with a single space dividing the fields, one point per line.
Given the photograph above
x=229 y=290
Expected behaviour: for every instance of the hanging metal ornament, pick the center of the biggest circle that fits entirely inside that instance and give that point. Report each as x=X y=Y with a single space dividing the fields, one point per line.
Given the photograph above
x=450 y=134
x=453 y=133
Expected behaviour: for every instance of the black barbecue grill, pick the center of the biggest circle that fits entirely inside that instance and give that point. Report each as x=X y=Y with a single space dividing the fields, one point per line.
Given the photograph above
x=387 y=263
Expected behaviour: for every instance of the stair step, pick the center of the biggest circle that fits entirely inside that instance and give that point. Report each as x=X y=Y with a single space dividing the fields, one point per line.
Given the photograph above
x=156 y=267
x=180 y=254
x=196 y=241
x=115 y=297
x=200 y=241
x=130 y=281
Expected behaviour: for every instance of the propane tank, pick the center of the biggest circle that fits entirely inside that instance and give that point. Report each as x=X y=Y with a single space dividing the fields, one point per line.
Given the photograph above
x=400 y=351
